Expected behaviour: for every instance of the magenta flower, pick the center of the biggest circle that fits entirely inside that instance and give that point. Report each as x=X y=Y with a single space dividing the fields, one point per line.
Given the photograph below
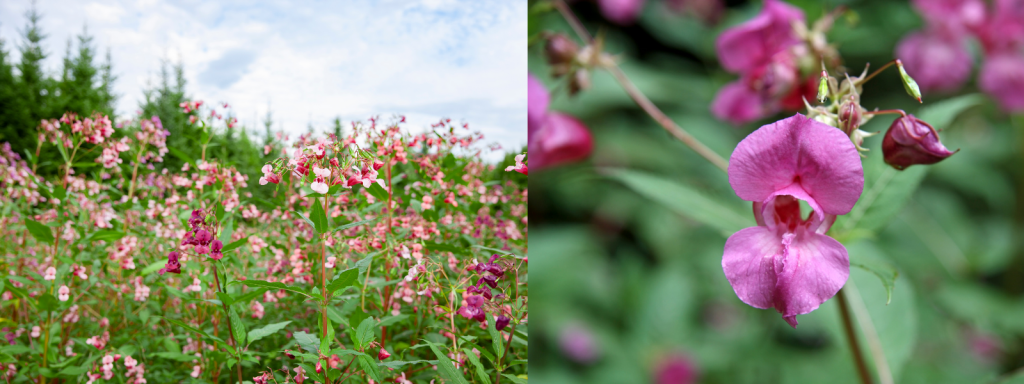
x=675 y=369
x=172 y=264
x=958 y=15
x=911 y=141
x=738 y=104
x=554 y=138
x=787 y=262
x=938 y=60
x=622 y=12
x=1002 y=77
x=752 y=44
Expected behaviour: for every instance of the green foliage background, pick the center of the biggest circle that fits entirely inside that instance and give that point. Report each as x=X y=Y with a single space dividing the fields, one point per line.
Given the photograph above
x=629 y=243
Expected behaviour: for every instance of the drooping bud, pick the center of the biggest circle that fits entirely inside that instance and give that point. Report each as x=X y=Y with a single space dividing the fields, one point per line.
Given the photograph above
x=560 y=52
x=501 y=322
x=911 y=141
x=383 y=354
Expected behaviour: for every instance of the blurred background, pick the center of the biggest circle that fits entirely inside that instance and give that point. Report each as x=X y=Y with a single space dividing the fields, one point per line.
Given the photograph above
x=628 y=288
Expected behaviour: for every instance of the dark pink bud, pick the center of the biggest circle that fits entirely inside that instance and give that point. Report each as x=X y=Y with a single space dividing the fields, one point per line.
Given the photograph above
x=273 y=178
x=501 y=322
x=850 y=115
x=377 y=164
x=383 y=354
x=352 y=181
x=560 y=51
x=334 y=162
x=911 y=141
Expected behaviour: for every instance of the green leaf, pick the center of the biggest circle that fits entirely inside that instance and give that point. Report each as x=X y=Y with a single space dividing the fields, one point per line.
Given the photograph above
x=39 y=231
x=274 y=285
x=370 y=367
x=152 y=268
x=319 y=217
x=353 y=224
x=379 y=193
x=179 y=323
x=481 y=373
x=438 y=247
x=307 y=341
x=885 y=271
x=445 y=366
x=171 y=345
x=267 y=330
x=344 y=279
x=394 y=364
x=356 y=317
x=107 y=235
x=47 y=302
x=939 y=115
x=886 y=190
x=684 y=200
x=177 y=356
x=515 y=379
x=308 y=221
x=247 y=297
x=225 y=298
x=181 y=155
x=365 y=263
x=235 y=244
x=392 y=320
x=74 y=371
x=237 y=327
x=496 y=341
x=325 y=344
x=908 y=83
x=365 y=334
x=226 y=231
x=895 y=324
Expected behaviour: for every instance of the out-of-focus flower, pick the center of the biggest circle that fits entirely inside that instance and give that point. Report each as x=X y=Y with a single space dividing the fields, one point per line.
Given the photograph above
x=1002 y=76
x=938 y=61
x=737 y=103
x=578 y=344
x=787 y=262
x=554 y=138
x=675 y=369
x=622 y=12
x=756 y=42
x=172 y=264
x=911 y=141
x=64 y=293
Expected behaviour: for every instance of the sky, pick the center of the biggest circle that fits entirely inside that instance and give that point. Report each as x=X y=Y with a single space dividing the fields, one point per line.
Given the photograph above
x=309 y=61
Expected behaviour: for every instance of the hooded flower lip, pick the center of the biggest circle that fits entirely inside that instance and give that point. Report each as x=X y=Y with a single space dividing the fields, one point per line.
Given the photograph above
x=787 y=262
x=754 y=43
x=911 y=141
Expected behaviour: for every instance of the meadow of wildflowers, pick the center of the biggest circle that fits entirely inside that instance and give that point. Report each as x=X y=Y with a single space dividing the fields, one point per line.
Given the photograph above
x=380 y=256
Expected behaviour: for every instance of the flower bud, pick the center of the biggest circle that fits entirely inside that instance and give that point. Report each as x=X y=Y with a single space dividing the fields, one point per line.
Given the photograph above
x=560 y=52
x=383 y=354
x=501 y=322
x=850 y=115
x=823 y=87
x=377 y=164
x=911 y=141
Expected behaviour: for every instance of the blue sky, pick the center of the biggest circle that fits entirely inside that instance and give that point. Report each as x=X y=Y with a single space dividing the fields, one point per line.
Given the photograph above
x=311 y=60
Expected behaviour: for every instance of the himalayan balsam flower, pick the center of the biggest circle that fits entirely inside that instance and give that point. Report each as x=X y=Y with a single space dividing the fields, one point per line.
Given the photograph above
x=622 y=12
x=938 y=60
x=756 y=42
x=911 y=141
x=51 y=274
x=1002 y=76
x=64 y=293
x=520 y=166
x=787 y=262
x=269 y=176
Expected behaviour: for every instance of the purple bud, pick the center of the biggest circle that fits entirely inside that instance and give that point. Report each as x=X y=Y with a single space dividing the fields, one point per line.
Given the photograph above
x=501 y=322
x=911 y=141
x=560 y=51
x=850 y=115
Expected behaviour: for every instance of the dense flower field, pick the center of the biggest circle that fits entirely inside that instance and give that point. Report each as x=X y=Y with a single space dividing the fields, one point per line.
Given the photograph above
x=382 y=256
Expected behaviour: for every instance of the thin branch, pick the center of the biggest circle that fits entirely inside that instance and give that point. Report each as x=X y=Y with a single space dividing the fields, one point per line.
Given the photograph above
x=851 y=336
x=642 y=100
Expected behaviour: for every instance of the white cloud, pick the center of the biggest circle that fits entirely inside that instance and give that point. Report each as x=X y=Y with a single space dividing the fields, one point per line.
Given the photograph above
x=463 y=59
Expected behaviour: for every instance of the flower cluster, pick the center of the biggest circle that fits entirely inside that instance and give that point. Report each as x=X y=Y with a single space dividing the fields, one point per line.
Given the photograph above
x=476 y=295
x=767 y=52
x=940 y=61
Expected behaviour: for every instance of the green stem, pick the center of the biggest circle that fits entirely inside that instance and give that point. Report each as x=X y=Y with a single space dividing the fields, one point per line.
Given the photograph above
x=851 y=337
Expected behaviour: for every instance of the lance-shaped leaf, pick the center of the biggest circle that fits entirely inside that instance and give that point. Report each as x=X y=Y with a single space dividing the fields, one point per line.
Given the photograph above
x=445 y=366
x=39 y=231
x=318 y=217
x=268 y=330
x=274 y=285
x=345 y=278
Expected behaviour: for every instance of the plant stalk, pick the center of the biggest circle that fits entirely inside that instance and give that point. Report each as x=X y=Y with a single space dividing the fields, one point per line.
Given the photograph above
x=851 y=336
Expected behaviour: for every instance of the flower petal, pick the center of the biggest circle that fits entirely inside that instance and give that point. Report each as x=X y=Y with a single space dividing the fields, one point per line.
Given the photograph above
x=749 y=265
x=820 y=159
x=813 y=268
x=536 y=103
x=738 y=104
x=561 y=139
x=754 y=42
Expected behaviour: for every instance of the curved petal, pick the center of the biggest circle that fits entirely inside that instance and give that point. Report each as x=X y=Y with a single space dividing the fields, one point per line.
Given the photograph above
x=820 y=159
x=749 y=265
x=537 y=100
x=754 y=42
x=561 y=139
x=813 y=268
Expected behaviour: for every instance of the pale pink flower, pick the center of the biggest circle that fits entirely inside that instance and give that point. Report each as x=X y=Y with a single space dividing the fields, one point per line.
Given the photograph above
x=51 y=274
x=63 y=293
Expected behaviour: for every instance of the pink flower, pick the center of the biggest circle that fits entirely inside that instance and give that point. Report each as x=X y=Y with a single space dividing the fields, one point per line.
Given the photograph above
x=937 y=60
x=319 y=186
x=959 y=16
x=300 y=375
x=554 y=138
x=322 y=172
x=1002 y=77
x=51 y=274
x=675 y=369
x=786 y=262
x=738 y=104
x=520 y=166
x=755 y=42
x=64 y=293
x=622 y=12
